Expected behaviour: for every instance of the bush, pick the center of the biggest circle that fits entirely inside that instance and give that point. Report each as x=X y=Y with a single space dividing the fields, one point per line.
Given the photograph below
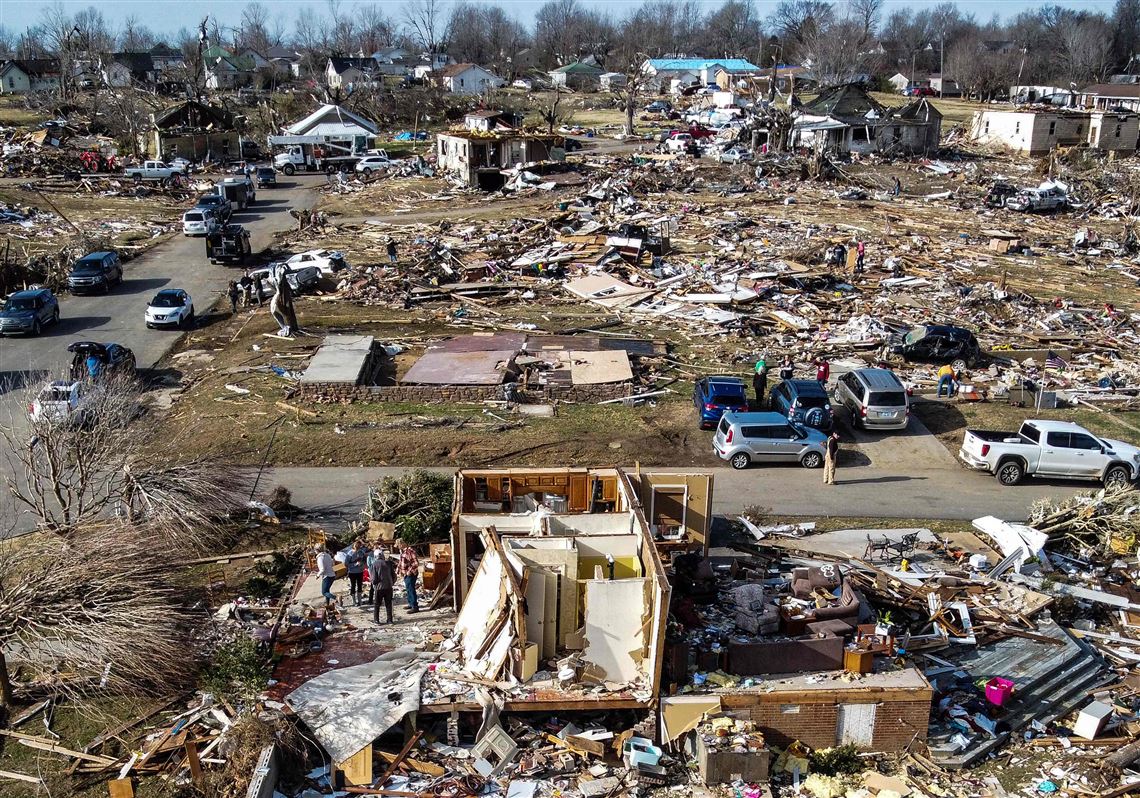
x=238 y=670
x=837 y=761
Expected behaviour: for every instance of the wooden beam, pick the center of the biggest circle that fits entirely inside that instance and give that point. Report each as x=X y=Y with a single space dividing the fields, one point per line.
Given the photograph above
x=8 y=774
x=59 y=749
x=418 y=765
x=357 y=769
x=400 y=757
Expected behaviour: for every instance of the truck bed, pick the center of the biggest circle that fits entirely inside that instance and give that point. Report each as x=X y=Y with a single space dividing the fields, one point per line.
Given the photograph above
x=996 y=436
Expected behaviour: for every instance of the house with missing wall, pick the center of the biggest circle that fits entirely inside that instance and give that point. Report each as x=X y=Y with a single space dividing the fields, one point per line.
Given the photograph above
x=1035 y=132
x=478 y=159
x=848 y=119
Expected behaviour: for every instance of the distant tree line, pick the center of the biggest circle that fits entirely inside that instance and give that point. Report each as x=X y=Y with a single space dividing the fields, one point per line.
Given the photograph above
x=839 y=40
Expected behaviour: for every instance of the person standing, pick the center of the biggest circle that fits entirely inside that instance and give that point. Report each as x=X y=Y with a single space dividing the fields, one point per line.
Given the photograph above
x=860 y=251
x=354 y=563
x=234 y=294
x=381 y=573
x=409 y=569
x=822 y=371
x=326 y=570
x=787 y=368
x=391 y=249
x=946 y=380
x=760 y=381
x=830 y=458
x=246 y=286
x=897 y=190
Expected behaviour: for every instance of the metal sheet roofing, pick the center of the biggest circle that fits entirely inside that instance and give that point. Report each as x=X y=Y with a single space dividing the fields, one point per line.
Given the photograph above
x=729 y=64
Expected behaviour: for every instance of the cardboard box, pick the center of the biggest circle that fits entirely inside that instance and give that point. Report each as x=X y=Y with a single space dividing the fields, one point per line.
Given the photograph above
x=381 y=530
x=724 y=767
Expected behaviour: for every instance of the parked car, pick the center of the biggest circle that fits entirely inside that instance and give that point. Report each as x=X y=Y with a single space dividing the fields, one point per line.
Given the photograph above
x=920 y=91
x=746 y=438
x=1038 y=199
x=266 y=176
x=1051 y=449
x=110 y=359
x=940 y=344
x=57 y=401
x=659 y=107
x=170 y=307
x=374 y=163
x=522 y=83
x=218 y=205
x=98 y=271
x=28 y=311
x=228 y=244
x=182 y=165
x=804 y=402
x=735 y=155
x=327 y=261
x=714 y=395
x=198 y=222
x=875 y=397
x=679 y=142
x=156 y=171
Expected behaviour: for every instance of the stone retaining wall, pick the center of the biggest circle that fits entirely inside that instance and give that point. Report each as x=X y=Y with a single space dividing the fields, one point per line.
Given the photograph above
x=325 y=392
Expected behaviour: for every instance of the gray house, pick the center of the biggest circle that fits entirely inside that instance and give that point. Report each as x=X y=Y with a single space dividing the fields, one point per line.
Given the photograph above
x=847 y=119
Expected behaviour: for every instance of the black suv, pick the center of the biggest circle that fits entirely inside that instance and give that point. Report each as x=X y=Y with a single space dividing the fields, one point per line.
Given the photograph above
x=95 y=272
x=804 y=402
x=28 y=311
x=940 y=344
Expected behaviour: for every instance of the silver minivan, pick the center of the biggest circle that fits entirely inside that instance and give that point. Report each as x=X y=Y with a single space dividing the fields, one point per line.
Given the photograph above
x=875 y=397
x=745 y=438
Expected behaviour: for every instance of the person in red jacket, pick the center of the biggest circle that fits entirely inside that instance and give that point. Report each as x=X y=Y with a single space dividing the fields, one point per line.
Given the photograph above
x=822 y=370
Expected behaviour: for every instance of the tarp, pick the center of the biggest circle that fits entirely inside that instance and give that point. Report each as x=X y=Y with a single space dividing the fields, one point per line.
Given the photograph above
x=346 y=709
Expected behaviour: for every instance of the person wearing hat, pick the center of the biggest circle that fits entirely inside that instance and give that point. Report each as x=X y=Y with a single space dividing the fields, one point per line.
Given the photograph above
x=831 y=456
x=391 y=249
x=760 y=381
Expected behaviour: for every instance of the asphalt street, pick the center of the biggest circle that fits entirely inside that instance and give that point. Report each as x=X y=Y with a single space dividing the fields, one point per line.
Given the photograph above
x=118 y=316
x=336 y=495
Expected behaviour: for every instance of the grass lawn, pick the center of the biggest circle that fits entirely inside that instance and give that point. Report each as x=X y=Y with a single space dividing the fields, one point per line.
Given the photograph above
x=14 y=114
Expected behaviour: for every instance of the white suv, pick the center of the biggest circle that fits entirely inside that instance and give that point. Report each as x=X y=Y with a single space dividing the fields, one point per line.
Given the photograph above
x=198 y=222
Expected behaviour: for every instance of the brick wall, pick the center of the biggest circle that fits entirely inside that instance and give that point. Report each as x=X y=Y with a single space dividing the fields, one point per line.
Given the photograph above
x=899 y=717
x=331 y=392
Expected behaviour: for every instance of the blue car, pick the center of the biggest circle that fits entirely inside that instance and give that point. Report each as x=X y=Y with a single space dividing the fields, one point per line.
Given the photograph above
x=803 y=402
x=714 y=395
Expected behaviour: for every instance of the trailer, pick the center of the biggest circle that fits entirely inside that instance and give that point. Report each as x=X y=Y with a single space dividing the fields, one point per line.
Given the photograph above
x=316 y=153
x=237 y=192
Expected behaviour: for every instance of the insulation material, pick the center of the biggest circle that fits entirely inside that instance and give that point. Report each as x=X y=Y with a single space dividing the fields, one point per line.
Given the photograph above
x=614 y=633
x=682 y=714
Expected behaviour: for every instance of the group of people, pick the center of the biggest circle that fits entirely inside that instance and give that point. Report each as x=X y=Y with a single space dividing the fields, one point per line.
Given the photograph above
x=837 y=256
x=247 y=291
x=382 y=572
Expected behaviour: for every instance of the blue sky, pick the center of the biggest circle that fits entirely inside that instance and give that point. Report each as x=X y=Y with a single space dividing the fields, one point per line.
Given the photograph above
x=170 y=15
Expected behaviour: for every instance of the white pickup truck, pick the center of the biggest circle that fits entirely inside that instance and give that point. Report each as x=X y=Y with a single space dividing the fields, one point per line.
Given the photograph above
x=1050 y=449
x=154 y=170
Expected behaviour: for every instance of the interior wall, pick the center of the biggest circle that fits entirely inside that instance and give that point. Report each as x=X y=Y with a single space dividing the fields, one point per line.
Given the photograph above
x=614 y=634
x=591 y=524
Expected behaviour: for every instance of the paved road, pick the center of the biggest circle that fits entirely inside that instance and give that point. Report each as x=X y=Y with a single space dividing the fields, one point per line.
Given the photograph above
x=336 y=495
x=118 y=316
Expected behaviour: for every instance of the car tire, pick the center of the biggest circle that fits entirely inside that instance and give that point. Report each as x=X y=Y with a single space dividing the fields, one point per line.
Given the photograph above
x=36 y=328
x=740 y=461
x=812 y=460
x=288 y=169
x=1117 y=477
x=366 y=171
x=55 y=316
x=959 y=365
x=1010 y=473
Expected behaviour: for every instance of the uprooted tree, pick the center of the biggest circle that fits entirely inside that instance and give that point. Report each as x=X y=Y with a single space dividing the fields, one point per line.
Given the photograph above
x=417 y=502
x=98 y=612
x=111 y=456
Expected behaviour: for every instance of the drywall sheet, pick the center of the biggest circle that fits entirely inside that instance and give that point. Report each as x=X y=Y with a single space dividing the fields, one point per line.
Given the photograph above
x=484 y=605
x=681 y=714
x=563 y=563
x=536 y=610
x=613 y=625
x=591 y=524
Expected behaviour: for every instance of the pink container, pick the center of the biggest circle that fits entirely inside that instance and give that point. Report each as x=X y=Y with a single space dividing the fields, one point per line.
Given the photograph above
x=998 y=690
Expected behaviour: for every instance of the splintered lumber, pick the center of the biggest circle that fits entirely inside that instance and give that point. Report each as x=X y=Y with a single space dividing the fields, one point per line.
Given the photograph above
x=121 y=788
x=29 y=713
x=394 y=765
x=51 y=746
x=417 y=765
x=192 y=760
x=8 y=774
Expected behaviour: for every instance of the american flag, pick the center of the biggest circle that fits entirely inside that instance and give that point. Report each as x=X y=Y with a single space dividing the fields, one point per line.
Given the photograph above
x=1055 y=361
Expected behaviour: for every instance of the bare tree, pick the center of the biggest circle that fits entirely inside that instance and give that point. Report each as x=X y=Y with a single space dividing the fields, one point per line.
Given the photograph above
x=866 y=13
x=1087 y=53
x=424 y=19
x=134 y=36
x=99 y=613
x=112 y=457
x=254 y=31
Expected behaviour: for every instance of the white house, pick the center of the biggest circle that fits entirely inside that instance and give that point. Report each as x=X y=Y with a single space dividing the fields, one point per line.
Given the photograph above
x=332 y=121
x=20 y=76
x=468 y=79
x=345 y=71
x=1035 y=133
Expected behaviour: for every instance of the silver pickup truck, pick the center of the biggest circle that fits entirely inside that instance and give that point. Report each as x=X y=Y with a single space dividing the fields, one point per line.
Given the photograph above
x=1051 y=449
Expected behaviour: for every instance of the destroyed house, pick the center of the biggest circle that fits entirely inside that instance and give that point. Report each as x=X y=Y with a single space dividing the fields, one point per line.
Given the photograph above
x=569 y=569
x=1035 y=132
x=479 y=159
x=672 y=510
x=848 y=119
x=194 y=130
